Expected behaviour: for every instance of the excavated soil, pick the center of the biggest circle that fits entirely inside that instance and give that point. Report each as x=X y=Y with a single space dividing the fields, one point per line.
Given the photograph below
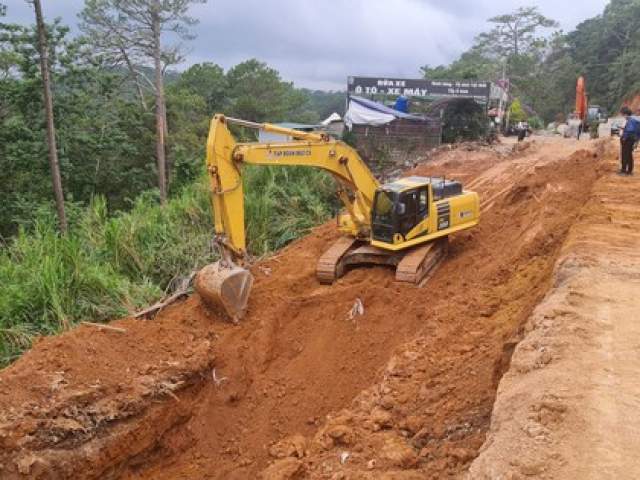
x=569 y=407
x=302 y=388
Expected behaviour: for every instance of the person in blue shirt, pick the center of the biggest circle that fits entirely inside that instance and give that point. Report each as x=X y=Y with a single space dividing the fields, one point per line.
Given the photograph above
x=628 y=139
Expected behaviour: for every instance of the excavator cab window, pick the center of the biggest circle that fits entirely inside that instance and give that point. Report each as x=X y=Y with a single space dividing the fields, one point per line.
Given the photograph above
x=417 y=202
x=384 y=215
x=423 y=201
x=398 y=213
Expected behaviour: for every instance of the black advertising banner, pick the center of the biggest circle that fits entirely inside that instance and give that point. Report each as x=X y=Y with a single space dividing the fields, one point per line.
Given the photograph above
x=418 y=88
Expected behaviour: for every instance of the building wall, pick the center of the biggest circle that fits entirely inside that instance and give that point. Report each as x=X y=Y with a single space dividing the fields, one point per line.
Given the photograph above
x=391 y=145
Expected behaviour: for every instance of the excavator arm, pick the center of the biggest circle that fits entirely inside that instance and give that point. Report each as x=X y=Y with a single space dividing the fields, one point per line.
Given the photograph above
x=226 y=284
x=356 y=183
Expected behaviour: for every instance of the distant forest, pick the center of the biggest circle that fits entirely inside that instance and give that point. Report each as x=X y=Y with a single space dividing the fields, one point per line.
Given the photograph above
x=106 y=132
x=541 y=63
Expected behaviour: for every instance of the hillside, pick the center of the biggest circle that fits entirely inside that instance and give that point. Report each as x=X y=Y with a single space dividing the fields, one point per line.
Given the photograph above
x=407 y=389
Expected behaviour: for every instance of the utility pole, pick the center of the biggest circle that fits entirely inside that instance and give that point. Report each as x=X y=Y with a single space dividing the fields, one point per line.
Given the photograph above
x=48 y=106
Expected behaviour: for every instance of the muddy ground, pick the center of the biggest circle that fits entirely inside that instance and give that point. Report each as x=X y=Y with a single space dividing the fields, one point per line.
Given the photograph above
x=301 y=389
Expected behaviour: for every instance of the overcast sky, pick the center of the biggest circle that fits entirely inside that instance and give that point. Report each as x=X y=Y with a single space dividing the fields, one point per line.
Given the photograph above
x=319 y=43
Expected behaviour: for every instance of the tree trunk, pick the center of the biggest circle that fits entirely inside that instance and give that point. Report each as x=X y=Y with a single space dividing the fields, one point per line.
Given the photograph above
x=623 y=71
x=168 y=157
x=160 y=108
x=48 y=105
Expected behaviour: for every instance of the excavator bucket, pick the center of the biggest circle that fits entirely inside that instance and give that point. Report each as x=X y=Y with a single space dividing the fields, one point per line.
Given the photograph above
x=224 y=288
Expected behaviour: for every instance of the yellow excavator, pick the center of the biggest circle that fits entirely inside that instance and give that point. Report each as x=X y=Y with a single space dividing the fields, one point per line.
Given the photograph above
x=404 y=223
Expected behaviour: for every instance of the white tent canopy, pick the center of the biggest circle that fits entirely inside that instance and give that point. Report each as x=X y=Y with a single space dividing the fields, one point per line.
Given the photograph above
x=367 y=112
x=360 y=115
x=334 y=117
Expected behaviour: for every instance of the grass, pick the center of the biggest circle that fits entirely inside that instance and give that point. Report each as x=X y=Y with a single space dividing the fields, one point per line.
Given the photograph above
x=109 y=265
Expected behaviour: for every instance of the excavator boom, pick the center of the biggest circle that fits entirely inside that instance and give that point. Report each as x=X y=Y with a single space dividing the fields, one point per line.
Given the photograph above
x=225 y=285
x=581 y=101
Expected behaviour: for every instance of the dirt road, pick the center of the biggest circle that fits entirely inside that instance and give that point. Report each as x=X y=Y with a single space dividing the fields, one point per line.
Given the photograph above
x=570 y=405
x=300 y=389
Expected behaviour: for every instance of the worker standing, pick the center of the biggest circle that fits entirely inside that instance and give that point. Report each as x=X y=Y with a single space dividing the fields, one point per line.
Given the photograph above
x=522 y=132
x=627 y=140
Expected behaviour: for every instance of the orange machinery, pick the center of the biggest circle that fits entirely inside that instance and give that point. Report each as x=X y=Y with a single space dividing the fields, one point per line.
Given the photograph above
x=580 y=112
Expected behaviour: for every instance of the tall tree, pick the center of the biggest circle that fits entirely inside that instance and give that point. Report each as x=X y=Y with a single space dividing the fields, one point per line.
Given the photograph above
x=472 y=65
x=104 y=29
x=208 y=81
x=514 y=33
x=257 y=93
x=103 y=141
x=131 y=31
x=607 y=48
x=48 y=104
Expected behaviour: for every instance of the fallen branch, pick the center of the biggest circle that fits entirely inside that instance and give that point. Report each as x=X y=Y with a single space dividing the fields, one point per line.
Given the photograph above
x=155 y=309
x=102 y=326
x=182 y=291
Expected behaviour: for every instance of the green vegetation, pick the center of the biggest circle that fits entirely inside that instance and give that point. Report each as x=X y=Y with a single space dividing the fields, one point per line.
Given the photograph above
x=105 y=135
x=516 y=112
x=463 y=119
x=123 y=249
x=108 y=265
x=542 y=64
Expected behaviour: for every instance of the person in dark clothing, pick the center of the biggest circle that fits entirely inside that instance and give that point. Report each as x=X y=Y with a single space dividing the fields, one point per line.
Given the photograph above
x=522 y=131
x=580 y=130
x=627 y=141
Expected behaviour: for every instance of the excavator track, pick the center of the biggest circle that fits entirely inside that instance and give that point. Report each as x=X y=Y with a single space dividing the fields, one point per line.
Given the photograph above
x=347 y=252
x=414 y=266
x=330 y=266
x=420 y=263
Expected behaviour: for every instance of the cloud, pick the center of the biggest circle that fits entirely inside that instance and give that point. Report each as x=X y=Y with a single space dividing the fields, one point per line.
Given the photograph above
x=320 y=44
x=327 y=41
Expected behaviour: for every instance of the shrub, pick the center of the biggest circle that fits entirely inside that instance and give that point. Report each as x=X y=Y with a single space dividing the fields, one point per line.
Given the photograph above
x=107 y=265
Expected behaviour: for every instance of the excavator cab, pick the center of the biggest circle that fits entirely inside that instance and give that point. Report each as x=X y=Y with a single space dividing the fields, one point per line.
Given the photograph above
x=384 y=215
x=396 y=213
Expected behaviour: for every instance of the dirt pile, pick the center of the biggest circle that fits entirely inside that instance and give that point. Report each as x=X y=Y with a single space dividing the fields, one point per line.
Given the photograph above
x=71 y=404
x=427 y=413
x=568 y=408
x=301 y=387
